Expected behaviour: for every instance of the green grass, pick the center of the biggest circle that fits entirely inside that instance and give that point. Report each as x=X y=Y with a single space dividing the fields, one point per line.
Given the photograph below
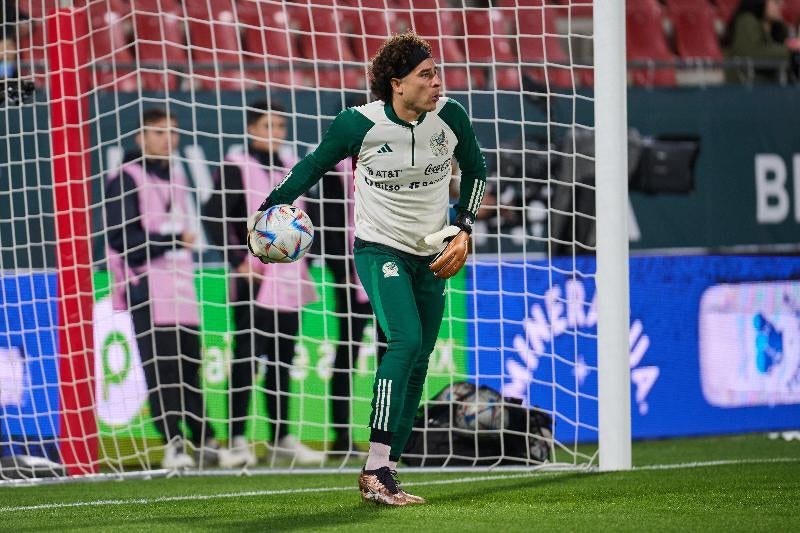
x=757 y=491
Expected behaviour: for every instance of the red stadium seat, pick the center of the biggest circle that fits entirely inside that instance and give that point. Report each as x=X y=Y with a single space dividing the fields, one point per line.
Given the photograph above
x=270 y=45
x=537 y=46
x=33 y=54
x=487 y=37
x=695 y=36
x=726 y=8
x=325 y=51
x=113 y=61
x=157 y=6
x=488 y=41
x=369 y=28
x=159 y=36
x=581 y=10
x=214 y=44
x=445 y=33
x=646 y=42
x=32 y=43
x=33 y=8
x=791 y=12
x=577 y=8
x=686 y=4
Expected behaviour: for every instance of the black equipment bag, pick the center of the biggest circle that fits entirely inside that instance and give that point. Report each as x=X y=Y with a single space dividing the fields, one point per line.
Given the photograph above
x=465 y=425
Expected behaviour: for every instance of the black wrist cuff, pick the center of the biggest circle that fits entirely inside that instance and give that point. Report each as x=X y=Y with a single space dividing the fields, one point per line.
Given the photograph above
x=464 y=221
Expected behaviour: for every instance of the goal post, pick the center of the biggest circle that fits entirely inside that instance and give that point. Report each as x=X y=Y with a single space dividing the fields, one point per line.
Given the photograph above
x=67 y=54
x=611 y=174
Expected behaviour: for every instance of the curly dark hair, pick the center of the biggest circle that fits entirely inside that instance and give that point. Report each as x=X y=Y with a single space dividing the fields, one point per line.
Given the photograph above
x=390 y=58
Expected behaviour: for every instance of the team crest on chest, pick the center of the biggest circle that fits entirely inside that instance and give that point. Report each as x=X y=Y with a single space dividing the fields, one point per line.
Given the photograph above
x=390 y=269
x=439 y=143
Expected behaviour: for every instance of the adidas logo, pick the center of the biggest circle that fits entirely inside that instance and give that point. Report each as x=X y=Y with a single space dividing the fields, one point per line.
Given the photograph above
x=385 y=149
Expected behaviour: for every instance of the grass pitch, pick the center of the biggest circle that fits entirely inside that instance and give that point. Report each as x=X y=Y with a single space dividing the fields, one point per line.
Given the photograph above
x=742 y=483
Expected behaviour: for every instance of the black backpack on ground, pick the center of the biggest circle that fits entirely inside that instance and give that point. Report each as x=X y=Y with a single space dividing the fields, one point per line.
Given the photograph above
x=466 y=425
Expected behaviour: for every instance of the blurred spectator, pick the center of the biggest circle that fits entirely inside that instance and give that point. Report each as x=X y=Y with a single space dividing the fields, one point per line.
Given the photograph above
x=757 y=32
x=8 y=57
x=266 y=299
x=150 y=254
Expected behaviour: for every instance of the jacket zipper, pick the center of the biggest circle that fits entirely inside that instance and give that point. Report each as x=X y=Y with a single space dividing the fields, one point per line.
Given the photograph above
x=412 y=146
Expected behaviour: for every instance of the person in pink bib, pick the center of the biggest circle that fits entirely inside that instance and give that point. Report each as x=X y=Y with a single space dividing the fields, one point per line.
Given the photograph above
x=149 y=252
x=266 y=299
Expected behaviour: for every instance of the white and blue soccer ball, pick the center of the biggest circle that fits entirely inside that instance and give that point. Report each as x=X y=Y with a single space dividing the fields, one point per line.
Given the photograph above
x=283 y=234
x=480 y=411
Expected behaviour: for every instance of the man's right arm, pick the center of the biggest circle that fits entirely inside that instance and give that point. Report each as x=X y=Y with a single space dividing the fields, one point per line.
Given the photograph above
x=342 y=139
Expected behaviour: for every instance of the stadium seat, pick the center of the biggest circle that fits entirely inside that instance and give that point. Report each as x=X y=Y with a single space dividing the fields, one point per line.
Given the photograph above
x=488 y=41
x=791 y=12
x=577 y=8
x=157 y=6
x=325 y=51
x=535 y=47
x=445 y=33
x=113 y=61
x=726 y=9
x=214 y=44
x=487 y=36
x=368 y=28
x=33 y=8
x=695 y=36
x=159 y=35
x=646 y=41
x=270 y=45
x=121 y=7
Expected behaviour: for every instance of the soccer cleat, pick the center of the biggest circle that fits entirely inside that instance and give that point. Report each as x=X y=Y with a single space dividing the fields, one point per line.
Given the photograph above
x=175 y=456
x=289 y=447
x=380 y=486
x=238 y=455
x=413 y=500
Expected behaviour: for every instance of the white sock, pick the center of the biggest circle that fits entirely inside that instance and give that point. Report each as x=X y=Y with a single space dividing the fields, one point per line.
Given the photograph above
x=378 y=456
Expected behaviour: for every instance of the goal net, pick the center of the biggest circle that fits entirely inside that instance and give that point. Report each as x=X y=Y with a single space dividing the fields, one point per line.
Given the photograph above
x=95 y=377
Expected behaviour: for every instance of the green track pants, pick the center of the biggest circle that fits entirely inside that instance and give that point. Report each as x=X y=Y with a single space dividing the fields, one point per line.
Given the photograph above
x=408 y=301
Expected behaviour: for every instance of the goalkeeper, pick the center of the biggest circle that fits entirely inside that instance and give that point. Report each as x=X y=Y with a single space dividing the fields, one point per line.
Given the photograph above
x=404 y=249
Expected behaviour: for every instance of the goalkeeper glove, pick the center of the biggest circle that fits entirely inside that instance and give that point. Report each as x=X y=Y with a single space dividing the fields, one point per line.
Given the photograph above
x=450 y=260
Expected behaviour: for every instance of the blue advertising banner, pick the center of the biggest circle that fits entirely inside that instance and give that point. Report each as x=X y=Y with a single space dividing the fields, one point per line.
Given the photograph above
x=715 y=342
x=29 y=394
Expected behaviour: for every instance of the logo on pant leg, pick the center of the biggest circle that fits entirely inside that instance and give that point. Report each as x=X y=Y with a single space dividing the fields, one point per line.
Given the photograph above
x=390 y=269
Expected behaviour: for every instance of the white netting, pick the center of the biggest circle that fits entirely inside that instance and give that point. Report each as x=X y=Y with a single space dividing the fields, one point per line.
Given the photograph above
x=520 y=319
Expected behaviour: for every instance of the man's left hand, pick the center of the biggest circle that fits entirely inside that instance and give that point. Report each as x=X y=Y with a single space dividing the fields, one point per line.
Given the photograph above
x=452 y=258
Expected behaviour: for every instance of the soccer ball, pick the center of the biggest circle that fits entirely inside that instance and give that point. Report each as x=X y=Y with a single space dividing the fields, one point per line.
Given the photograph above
x=284 y=234
x=482 y=410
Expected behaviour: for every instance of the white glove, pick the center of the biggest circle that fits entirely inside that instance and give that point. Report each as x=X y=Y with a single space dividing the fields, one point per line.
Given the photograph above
x=457 y=237
x=252 y=219
x=442 y=236
x=251 y=224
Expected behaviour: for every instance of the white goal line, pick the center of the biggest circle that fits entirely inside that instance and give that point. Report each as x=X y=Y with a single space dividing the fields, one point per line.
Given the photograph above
x=278 y=492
